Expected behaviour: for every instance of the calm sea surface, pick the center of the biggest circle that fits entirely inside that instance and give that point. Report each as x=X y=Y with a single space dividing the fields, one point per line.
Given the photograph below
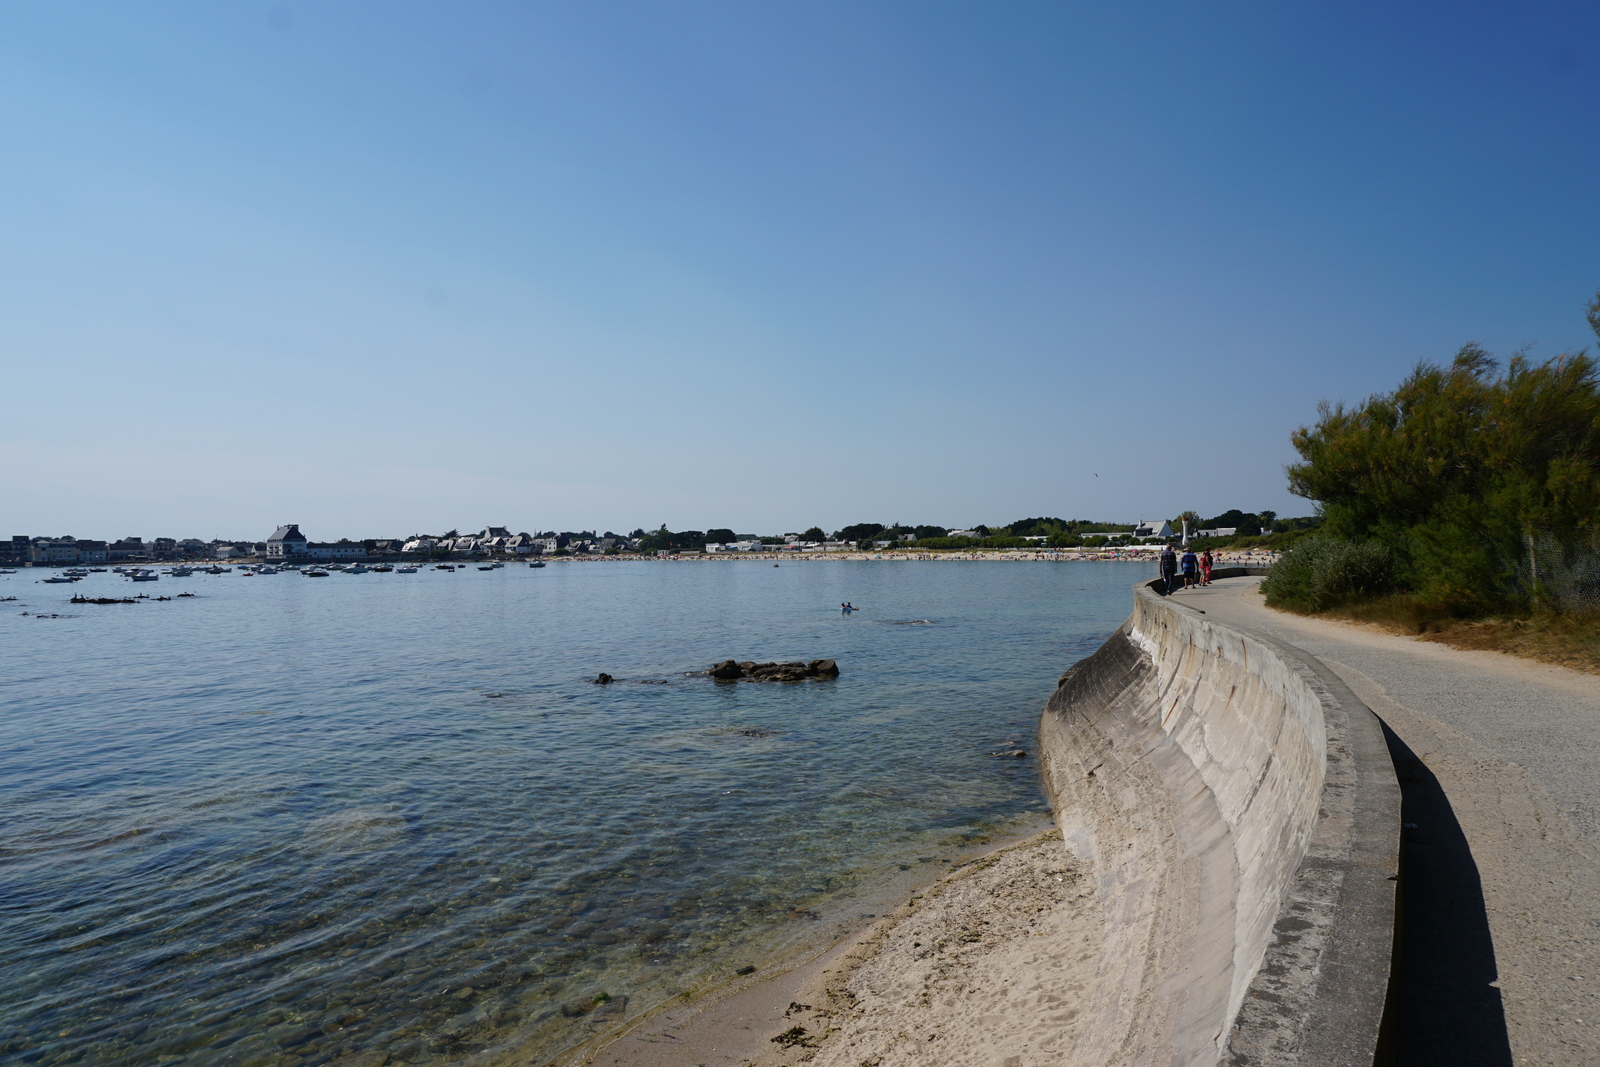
x=290 y=819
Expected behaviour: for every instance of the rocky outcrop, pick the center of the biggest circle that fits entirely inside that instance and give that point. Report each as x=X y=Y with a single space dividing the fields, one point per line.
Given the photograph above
x=732 y=670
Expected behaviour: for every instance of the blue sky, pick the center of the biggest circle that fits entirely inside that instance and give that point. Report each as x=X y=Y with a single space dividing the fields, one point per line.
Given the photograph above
x=379 y=268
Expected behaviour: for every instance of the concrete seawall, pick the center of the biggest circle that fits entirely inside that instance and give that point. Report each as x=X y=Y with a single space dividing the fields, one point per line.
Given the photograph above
x=1239 y=814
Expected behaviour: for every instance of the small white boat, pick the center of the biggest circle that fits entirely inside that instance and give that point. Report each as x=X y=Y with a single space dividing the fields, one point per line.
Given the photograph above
x=405 y=570
x=357 y=568
x=6 y=570
x=140 y=576
x=314 y=573
x=266 y=570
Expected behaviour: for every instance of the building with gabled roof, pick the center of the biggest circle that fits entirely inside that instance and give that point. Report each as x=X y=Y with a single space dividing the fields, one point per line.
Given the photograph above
x=1150 y=531
x=286 y=542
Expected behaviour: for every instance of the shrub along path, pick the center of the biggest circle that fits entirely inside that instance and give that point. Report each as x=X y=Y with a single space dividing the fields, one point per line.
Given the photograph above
x=1499 y=761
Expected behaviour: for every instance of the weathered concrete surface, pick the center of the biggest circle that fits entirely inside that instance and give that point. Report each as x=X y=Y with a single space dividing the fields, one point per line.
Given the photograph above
x=1237 y=809
x=1505 y=760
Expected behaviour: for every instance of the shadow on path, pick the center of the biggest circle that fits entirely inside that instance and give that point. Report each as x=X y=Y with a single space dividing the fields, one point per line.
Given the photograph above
x=1443 y=1010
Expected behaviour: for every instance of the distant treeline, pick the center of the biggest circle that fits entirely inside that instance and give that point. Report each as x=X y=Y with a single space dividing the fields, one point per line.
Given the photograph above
x=1469 y=490
x=1057 y=533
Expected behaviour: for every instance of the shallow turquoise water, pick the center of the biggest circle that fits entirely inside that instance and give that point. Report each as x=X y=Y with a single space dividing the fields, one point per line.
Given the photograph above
x=288 y=819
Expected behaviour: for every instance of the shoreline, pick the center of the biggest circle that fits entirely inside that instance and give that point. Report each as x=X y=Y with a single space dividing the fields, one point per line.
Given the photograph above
x=1223 y=558
x=865 y=991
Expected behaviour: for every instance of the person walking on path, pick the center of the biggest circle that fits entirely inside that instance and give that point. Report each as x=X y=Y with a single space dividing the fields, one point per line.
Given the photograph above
x=1191 y=568
x=1169 y=567
x=1205 y=567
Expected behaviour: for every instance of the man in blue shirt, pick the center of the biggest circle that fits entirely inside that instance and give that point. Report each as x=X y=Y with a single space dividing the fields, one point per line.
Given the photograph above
x=1191 y=568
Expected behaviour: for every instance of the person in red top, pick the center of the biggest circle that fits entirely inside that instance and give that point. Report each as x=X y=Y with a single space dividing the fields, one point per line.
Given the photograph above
x=1205 y=567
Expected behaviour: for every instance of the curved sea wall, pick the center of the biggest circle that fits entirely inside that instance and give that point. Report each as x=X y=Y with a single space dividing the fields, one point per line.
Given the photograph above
x=1238 y=811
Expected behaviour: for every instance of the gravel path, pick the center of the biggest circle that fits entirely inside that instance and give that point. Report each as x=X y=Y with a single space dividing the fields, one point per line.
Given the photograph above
x=1499 y=759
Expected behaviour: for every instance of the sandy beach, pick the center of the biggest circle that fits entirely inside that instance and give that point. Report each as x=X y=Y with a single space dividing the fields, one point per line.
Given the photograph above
x=986 y=965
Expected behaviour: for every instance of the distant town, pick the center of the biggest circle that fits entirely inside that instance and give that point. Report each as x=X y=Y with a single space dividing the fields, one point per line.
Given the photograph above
x=287 y=543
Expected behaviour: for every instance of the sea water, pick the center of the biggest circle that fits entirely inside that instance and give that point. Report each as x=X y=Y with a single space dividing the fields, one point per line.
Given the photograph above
x=287 y=820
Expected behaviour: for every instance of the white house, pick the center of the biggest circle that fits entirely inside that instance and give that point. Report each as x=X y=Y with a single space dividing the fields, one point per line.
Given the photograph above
x=286 y=542
x=1150 y=531
x=736 y=546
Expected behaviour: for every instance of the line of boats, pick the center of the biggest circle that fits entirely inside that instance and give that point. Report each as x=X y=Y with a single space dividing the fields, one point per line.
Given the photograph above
x=149 y=574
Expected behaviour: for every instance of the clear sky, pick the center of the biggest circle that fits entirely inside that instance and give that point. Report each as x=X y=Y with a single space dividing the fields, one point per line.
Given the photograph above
x=388 y=267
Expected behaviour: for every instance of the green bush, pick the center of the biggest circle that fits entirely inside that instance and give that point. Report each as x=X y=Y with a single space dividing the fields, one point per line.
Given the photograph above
x=1454 y=468
x=1322 y=572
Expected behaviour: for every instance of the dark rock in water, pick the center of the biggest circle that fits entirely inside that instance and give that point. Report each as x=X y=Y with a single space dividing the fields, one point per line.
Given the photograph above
x=1012 y=754
x=604 y=679
x=361 y=1059
x=795 y=671
x=611 y=1007
x=299 y=1037
x=745 y=970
